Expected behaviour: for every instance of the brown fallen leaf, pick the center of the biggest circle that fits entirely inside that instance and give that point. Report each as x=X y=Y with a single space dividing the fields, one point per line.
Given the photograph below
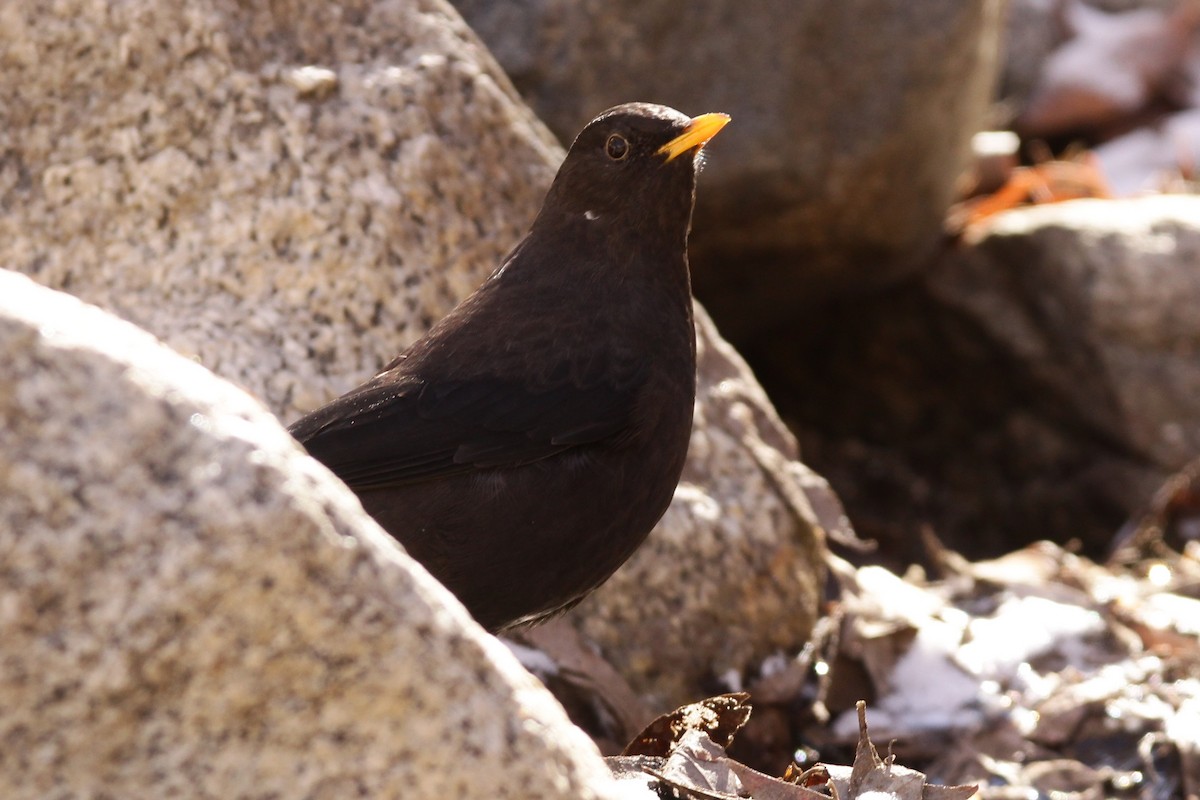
x=764 y=787
x=720 y=718
x=694 y=766
x=883 y=778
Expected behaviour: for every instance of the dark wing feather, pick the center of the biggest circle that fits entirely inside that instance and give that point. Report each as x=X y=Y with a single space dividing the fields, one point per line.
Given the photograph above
x=389 y=434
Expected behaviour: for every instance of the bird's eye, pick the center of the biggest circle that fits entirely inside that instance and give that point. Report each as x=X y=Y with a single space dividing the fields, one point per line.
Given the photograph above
x=616 y=147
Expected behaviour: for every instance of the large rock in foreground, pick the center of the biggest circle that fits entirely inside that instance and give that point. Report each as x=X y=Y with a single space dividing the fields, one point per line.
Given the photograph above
x=190 y=606
x=291 y=193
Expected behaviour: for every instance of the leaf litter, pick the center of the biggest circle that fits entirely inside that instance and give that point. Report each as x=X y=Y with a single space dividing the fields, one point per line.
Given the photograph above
x=1040 y=673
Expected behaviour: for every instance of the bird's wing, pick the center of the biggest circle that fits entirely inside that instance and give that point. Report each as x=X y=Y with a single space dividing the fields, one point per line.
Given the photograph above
x=397 y=433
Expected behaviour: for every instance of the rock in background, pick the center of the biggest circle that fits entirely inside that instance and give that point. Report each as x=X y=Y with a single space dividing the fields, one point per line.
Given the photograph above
x=291 y=193
x=821 y=252
x=1041 y=380
x=1068 y=62
x=1100 y=301
x=851 y=123
x=189 y=606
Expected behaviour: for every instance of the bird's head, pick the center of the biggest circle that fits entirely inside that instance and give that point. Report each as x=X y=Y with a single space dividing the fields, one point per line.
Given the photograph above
x=634 y=164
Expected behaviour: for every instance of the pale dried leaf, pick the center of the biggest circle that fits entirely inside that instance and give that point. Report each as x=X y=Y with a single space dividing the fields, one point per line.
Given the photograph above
x=698 y=765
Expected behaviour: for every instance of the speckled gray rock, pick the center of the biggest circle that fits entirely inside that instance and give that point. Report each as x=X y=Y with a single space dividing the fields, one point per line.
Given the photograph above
x=190 y=607
x=292 y=193
x=262 y=184
x=851 y=123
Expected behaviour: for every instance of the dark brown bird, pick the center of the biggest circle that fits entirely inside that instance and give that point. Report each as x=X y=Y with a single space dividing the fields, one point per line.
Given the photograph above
x=526 y=446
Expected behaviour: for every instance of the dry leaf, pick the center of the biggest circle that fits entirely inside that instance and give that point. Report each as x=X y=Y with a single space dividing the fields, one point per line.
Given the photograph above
x=719 y=717
x=883 y=778
x=699 y=768
x=764 y=787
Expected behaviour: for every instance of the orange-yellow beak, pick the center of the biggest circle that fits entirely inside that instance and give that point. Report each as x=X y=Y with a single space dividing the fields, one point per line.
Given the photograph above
x=695 y=135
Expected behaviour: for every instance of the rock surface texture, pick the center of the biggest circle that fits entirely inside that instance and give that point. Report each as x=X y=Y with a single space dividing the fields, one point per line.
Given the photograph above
x=1040 y=382
x=1099 y=301
x=292 y=193
x=191 y=607
x=262 y=185
x=851 y=123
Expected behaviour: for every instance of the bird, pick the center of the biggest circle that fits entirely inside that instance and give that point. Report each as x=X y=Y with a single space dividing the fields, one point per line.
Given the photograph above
x=524 y=448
